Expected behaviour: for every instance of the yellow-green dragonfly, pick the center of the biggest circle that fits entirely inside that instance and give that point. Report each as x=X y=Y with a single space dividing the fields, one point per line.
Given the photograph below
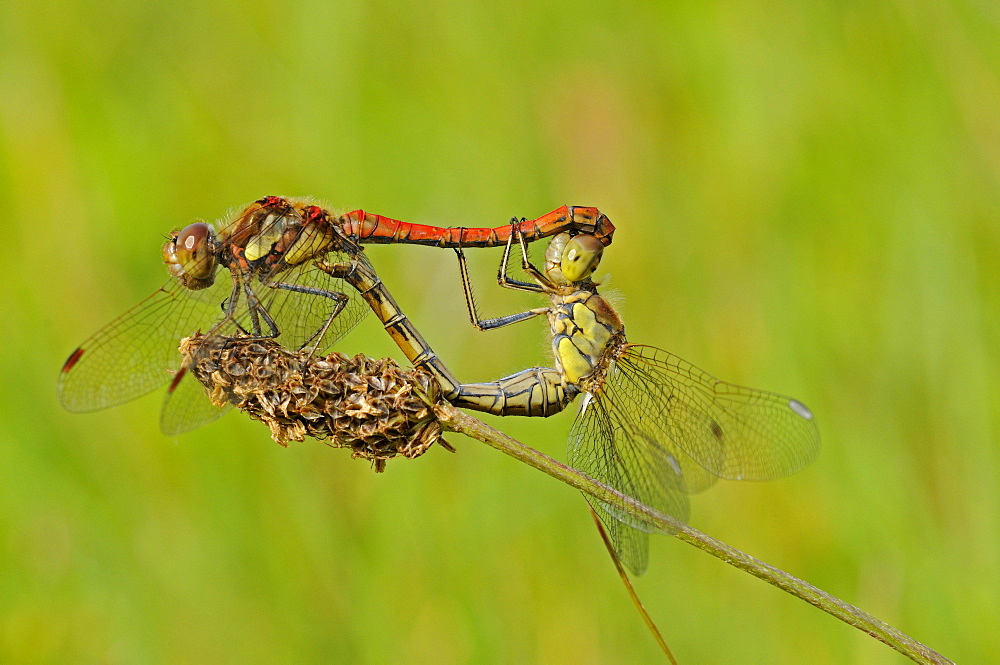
x=650 y=424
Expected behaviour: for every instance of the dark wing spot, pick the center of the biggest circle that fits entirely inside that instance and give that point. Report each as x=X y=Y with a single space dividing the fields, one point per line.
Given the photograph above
x=72 y=360
x=177 y=379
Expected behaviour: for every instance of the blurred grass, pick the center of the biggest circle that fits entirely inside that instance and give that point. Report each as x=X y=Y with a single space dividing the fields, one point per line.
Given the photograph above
x=806 y=198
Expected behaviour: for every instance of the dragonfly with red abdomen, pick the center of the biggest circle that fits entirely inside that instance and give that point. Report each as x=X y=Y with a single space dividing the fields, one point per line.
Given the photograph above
x=374 y=229
x=285 y=245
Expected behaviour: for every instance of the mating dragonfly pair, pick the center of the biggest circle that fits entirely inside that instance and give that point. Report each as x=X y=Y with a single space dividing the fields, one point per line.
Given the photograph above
x=650 y=425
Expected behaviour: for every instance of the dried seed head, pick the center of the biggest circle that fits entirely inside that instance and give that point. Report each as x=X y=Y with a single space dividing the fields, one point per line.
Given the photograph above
x=373 y=407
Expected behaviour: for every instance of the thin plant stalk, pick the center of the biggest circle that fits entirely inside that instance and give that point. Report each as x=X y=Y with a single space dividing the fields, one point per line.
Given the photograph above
x=657 y=635
x=457 y=421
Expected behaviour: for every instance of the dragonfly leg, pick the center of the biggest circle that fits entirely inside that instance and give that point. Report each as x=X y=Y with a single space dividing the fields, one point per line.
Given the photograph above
x=225 y=310
x=532 y=392
x=526 y=265
x=254 y=306
x=258 y=311
x=470 y=298
x=340 y=301
x=229 y=308
x=503 y=277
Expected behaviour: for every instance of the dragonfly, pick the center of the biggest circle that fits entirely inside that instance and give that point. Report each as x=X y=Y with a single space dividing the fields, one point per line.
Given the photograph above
x=283 y=256
x=650 y=425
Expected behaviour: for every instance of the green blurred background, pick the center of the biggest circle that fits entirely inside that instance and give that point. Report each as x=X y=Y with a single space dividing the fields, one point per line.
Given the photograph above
x=806 y=197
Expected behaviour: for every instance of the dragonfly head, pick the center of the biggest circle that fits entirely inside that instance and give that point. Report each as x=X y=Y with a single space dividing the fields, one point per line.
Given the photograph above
x=190 y=255
x=574 y=257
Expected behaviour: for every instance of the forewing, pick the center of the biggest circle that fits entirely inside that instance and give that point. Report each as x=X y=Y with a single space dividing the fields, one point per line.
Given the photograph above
x=137 y=352
x=731 y=431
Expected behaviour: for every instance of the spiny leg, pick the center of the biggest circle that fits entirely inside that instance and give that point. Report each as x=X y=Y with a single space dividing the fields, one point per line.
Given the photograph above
x=503 y=278
x=229 y=306
x=470 y=299
x=340 y=300
x=258 y=311
x=526 y=264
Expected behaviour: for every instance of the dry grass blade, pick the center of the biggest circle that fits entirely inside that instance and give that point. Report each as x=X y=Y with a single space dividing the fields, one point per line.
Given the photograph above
x=455 y=421
x=657 y=635
x=373 y=407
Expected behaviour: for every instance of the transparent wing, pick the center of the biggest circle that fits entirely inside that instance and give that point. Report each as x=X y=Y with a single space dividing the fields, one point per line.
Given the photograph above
x=660 y=429
x=137 y=352
x=731 y=431
x=186 y=407
x=609 y=444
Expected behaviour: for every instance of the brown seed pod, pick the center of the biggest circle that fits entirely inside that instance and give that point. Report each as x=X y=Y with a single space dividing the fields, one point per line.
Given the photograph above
x=373 y=407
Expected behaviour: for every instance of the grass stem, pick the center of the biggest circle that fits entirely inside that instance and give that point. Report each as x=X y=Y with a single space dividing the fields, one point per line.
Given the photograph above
x=457 y=421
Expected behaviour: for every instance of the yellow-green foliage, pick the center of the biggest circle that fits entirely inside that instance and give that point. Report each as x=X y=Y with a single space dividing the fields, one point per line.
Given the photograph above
x=806 y=197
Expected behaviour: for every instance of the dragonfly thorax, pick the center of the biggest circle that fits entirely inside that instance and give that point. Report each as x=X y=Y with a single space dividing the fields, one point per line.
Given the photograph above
x=263 y=239
x=281 y=233
x=582 y=325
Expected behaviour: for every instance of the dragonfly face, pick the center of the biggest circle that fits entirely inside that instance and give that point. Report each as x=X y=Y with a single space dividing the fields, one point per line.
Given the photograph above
x=581 y=321
x=580 y=256
x=190 y=255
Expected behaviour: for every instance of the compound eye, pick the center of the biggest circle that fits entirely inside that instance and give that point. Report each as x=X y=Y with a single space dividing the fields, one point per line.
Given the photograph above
x=581 y=256
x=195 y=250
